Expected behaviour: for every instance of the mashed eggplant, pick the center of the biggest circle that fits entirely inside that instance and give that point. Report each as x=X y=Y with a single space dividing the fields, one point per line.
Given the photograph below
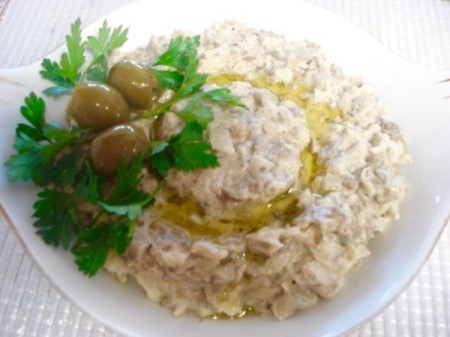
x=309 y=173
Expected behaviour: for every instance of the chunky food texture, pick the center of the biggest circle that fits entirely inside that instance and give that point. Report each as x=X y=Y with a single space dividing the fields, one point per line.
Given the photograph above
x=308 y=173
x=229 y=174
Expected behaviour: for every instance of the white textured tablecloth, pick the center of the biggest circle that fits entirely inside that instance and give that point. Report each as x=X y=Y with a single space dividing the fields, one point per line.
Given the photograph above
x=418 y=30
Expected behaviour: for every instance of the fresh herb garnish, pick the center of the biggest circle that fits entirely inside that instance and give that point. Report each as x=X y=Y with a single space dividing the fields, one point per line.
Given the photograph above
x=38 y=144
x=102 y=46
x=186 y=151
x=125 y=204
x=58 y=159
x=176 y=69
x=68 y=72
x=48 y=155
x=126 y=198
x=94 y=244
x=56 y=216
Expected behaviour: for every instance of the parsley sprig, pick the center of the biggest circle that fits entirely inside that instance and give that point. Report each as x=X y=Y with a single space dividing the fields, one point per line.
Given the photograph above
x=186 y=151
x=39 y=147
x=94 y=245
x=57 y=159
x=102 y=46
x=66 y=73
x=69 y=71
x=49 y=155
x=176 y=70
x=124 y=205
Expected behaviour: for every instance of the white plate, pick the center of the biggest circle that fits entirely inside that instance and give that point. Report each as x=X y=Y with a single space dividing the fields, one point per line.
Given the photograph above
x=416 y=102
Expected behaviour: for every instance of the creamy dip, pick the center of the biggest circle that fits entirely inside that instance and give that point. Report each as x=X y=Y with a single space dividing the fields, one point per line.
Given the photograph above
x=309 y=173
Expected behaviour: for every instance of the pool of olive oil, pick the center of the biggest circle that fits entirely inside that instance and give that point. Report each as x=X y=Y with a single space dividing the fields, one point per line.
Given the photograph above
x=247 y=311
x=186 y=212
x=318 y=115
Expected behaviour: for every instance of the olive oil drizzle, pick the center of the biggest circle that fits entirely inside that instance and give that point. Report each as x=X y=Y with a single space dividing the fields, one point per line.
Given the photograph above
x=247 y=311
x=188 y=214
x=318 y=115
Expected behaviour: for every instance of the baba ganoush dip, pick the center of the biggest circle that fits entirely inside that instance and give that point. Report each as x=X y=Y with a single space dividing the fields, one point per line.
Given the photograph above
x=309 y=173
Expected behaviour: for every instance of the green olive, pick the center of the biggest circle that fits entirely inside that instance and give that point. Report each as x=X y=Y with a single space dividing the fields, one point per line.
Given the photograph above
x=121 y=142
x=97 y=106
x=138 y=85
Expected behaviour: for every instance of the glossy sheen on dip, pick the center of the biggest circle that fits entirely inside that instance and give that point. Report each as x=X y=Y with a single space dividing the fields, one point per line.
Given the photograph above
x=309 y=173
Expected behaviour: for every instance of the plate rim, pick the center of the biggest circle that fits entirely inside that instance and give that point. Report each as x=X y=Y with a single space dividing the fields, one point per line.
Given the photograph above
x=116 y=327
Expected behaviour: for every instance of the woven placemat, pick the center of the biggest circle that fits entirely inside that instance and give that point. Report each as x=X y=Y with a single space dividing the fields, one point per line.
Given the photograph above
x=417 y=30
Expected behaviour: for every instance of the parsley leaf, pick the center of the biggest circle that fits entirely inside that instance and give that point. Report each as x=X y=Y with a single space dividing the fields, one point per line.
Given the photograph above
x=222 y=96
x=186 y=151
x=162 y=162
x=56 y=217
x=50 y=71
x=125 y=203
x=59 y=138
x=179 y=73
x=72 y=62
x=64 y=171
x=38 y=147
x=56 y=214
x=102 y=46
x=169 y=79
x=67 y=73
x=192 y=82
x=179 y=53
x=130 y=205
x=126 y=198
x=128 y=178
x=196 y=111
x=87 y=184
x=190 y=151
x=94 y=244
x=26 y=164
x=34 y=111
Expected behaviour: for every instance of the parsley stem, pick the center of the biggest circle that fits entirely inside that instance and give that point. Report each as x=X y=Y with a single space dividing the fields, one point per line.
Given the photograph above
x=86 y=71
x=94 y=221
x=76 y=220
x=161 y=185
x=161 y=109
